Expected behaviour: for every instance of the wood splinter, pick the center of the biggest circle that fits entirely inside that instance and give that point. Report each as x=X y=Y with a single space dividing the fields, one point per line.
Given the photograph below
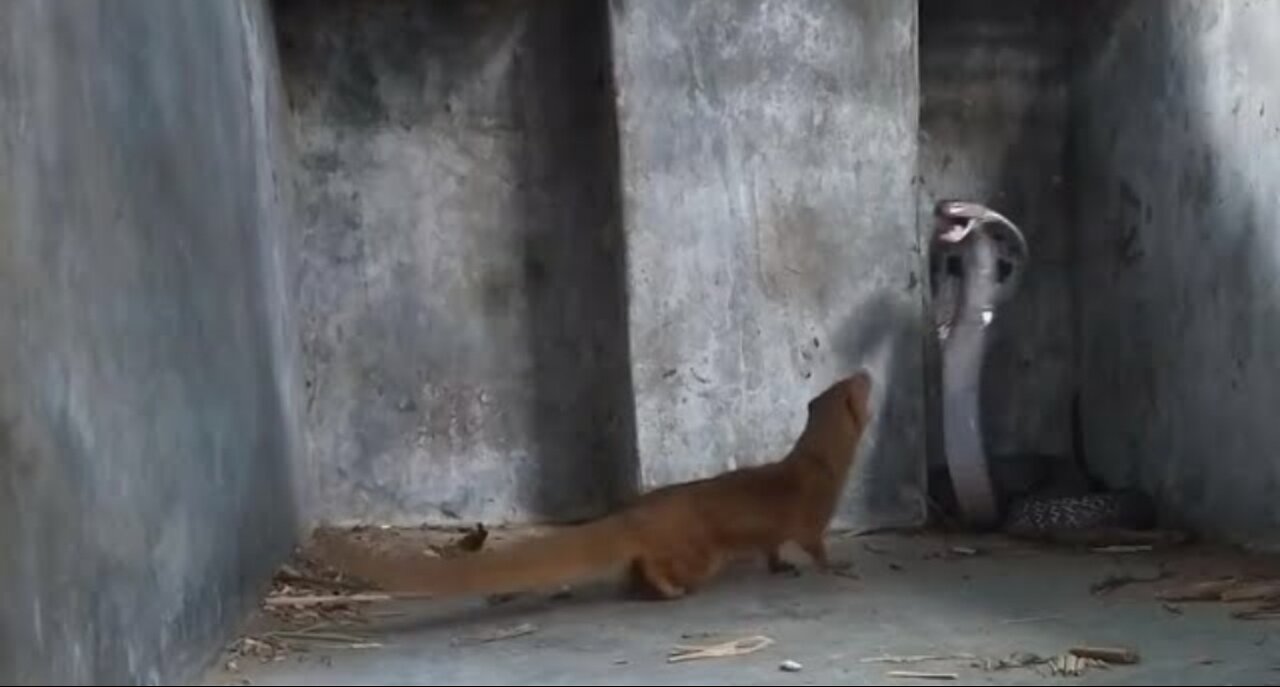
x=917 y=675
x=1114 y=655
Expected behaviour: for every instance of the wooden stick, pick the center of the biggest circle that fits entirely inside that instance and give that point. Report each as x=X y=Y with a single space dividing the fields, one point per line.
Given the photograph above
x=1123 y=548
x=916 y=675
x=1263 y=612
x=326 y=599
x=918 y=658
x=1256 y=591
x=300 y=579
x=1211 y=590
x=497 y=634
x=737 y=647
x=319 y=636
x=1116 y=655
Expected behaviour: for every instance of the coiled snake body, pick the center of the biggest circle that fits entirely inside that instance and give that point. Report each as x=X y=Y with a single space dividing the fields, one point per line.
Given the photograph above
x=1052 y=517
x=1056 y=498
x=1054 y=506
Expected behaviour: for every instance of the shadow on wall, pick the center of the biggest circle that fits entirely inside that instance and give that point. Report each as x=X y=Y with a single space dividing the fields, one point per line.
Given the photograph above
x=885 y=334
x=1177 y=145
x=575 y=267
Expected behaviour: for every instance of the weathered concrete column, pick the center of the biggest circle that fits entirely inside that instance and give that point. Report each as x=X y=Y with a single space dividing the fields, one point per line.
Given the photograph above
x=768 y=154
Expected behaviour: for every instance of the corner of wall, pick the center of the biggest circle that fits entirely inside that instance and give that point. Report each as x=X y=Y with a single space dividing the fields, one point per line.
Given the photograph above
x=277 y=184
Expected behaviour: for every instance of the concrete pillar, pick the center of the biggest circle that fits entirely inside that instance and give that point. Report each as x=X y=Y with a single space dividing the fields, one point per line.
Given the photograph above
x=768 y=151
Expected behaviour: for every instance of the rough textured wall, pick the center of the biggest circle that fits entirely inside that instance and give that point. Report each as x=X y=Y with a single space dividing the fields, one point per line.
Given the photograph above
x=768 y=151
x=1177 y=116
x=462 y=307
x=993 y=123
x=145 y=430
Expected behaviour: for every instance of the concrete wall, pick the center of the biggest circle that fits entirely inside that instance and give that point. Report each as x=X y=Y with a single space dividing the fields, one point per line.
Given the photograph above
x=768 y=151
x=1177 y=116
x=468 y=339
x=994 y=128
x=145 y=385
x=463 y=304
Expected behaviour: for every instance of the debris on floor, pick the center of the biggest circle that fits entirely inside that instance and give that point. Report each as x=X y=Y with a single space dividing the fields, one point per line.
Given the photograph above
x=264 y=650
x=276 y=645
x=297 y=635
x=1078 y=660
x=952 y=552
x=1267 y=590
x=1112 y=540
x=1124 y=548
x=564 y=593
x=1018 y=659
x=307 y=574
x=497 y=634
x=918 y=658
x=1264 y=592
x=308 y=605
x=501 y=598
x=333 y=640
x=1111 y=583
x=1070 y=665
x=1107 y=654
x=470 y=541
x=790 y=666
x=1032 y=619
x=284 y=598
x=1073 y=662
x=736 y=647
x=293 y=610
x=918 y=675
x=305 y=592
x=1267 y=611
x=700 y=634
x=1208 y=590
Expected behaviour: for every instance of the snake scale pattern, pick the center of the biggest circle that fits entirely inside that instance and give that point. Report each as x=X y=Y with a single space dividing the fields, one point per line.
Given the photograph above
x=1043 y=516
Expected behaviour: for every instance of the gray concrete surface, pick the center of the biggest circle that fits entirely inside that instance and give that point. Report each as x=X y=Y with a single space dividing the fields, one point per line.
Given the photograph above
x=462 y=297
x=994 y=128
x=146 y=390
x=768 y=153
x=1176 y=126
x=913 y=597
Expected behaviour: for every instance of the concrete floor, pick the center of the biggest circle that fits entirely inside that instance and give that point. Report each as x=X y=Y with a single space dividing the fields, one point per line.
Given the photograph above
x=912 y=596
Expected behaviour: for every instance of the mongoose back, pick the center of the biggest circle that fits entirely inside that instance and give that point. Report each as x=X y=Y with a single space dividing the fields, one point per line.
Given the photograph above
x=670 y=540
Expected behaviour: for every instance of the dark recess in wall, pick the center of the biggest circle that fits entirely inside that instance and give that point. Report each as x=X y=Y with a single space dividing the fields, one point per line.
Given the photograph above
x=485 y=373
x=995 y=128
